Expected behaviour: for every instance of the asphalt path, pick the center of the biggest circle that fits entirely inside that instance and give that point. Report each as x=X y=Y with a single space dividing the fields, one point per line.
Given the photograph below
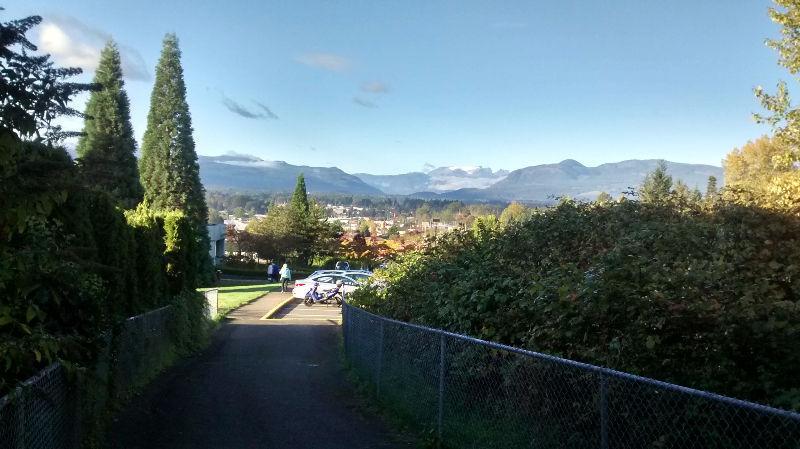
x=317 y=313
x=274 y=383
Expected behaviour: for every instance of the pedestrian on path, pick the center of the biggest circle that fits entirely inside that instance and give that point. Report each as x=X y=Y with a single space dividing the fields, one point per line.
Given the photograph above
x=286 y=276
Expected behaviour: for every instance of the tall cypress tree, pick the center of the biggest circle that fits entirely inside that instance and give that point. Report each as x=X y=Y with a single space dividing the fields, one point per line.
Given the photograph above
x=107 y=147
x=169 y=170
x=300 y=196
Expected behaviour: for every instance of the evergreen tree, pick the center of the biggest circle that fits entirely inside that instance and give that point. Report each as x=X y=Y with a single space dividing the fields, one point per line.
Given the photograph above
x=681 y=191
x=33 y=95
x=107 y=147
x=300 y=196
x=696 y=196
x=711 y=187
x=169 y=171
x=657 y=185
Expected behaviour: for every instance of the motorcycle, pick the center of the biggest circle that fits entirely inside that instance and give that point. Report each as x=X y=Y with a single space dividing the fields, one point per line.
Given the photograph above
x=314 y=296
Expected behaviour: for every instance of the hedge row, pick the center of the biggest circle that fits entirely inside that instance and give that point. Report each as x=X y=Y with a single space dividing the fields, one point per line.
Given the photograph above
x=706 y=296
x=73 y=265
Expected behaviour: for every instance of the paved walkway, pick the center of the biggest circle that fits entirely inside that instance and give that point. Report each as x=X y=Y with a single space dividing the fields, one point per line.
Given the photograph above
x=317 y=313
x=261 y=384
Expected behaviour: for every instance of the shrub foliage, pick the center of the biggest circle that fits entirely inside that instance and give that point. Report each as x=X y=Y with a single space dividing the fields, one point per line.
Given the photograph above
x=703 y=295
x=72 y=263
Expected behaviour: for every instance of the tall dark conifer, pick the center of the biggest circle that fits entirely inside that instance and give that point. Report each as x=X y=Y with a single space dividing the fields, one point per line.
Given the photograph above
x=169 y=170
x=107 y=147
x=300 y=196
x=711 y=187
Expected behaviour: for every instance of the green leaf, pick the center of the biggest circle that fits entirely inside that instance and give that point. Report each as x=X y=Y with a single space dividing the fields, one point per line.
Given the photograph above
x=30 y=314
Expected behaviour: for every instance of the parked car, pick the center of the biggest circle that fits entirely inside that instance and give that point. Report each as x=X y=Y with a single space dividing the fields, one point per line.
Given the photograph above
x=327 y=281
x=319 y=272
x=351 y=273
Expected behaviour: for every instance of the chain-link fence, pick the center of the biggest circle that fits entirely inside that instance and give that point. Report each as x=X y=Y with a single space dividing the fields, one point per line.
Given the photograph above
x=41 y=413
x=476 y=394
x=142 y=347
x=52 y=411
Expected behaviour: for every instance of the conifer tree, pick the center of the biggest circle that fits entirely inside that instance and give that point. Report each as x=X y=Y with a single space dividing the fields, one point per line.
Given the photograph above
x=657 y=185
x=711 y=187
x=169 y=170
x=300 y=196
x=696 y=195
x=106 y=149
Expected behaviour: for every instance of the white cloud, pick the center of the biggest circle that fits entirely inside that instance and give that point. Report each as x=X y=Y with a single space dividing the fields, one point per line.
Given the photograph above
x=53 y=40
x=75 y=44
x=326 y=61
x=375 y=87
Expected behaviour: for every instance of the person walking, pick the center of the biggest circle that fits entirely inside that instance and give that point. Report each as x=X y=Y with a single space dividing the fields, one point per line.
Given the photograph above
x=275 y=270
x=271 y=271
x=286 y=276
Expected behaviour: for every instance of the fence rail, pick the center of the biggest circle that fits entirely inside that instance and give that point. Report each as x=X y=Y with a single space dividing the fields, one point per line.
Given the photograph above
x=46 y=411
x=477 y=394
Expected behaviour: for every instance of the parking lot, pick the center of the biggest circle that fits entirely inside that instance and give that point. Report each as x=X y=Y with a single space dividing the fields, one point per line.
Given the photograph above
x=317 y=313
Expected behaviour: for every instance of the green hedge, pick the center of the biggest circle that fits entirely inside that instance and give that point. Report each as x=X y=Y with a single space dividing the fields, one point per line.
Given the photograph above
x=148 y=260
x=703 y=296
x=73 y=264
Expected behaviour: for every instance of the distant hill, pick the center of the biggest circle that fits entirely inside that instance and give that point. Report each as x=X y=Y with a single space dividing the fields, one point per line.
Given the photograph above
x=537 y=183
x=571 y=178
x=249 y=173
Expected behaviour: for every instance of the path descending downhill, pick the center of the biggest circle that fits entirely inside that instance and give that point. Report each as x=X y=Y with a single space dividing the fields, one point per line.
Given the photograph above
x=261 y=384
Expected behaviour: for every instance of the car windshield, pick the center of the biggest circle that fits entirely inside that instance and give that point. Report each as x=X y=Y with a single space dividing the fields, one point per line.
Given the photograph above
x=323 y=278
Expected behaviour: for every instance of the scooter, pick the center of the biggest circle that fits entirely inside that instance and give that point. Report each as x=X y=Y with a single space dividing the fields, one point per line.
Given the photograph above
x=313 y=295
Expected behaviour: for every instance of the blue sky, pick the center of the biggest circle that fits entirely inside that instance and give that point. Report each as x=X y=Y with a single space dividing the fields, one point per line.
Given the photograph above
x=388 y=86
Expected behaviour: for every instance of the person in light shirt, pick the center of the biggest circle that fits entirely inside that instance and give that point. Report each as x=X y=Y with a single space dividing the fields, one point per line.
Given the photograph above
x=286 y=276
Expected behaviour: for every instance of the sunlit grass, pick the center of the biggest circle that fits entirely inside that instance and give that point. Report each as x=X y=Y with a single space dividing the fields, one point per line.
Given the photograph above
x=239 y=291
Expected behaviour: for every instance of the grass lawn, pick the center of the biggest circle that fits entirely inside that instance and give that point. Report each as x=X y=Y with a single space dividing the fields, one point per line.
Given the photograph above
x=235 y=292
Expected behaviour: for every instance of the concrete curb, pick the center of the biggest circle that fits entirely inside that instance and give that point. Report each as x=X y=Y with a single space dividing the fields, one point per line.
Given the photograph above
x=276 y=308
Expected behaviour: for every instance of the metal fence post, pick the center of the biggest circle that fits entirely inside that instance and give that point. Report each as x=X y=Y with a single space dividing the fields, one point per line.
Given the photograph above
x=603 y=411
x=441 y=388
x=345 y=333
x=20 y=403
x=379 y=364
x=348 y=320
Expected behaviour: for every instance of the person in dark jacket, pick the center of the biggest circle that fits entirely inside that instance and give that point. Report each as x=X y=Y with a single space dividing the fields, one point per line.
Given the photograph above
x=272 y=271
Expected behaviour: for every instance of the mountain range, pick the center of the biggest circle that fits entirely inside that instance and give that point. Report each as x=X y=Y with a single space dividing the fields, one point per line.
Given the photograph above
x=249 y=173
x=437 y=180
x=536 y=183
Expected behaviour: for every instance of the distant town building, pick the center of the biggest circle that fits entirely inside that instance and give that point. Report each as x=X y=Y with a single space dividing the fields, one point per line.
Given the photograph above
x=216 y=234
x=239 y=225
